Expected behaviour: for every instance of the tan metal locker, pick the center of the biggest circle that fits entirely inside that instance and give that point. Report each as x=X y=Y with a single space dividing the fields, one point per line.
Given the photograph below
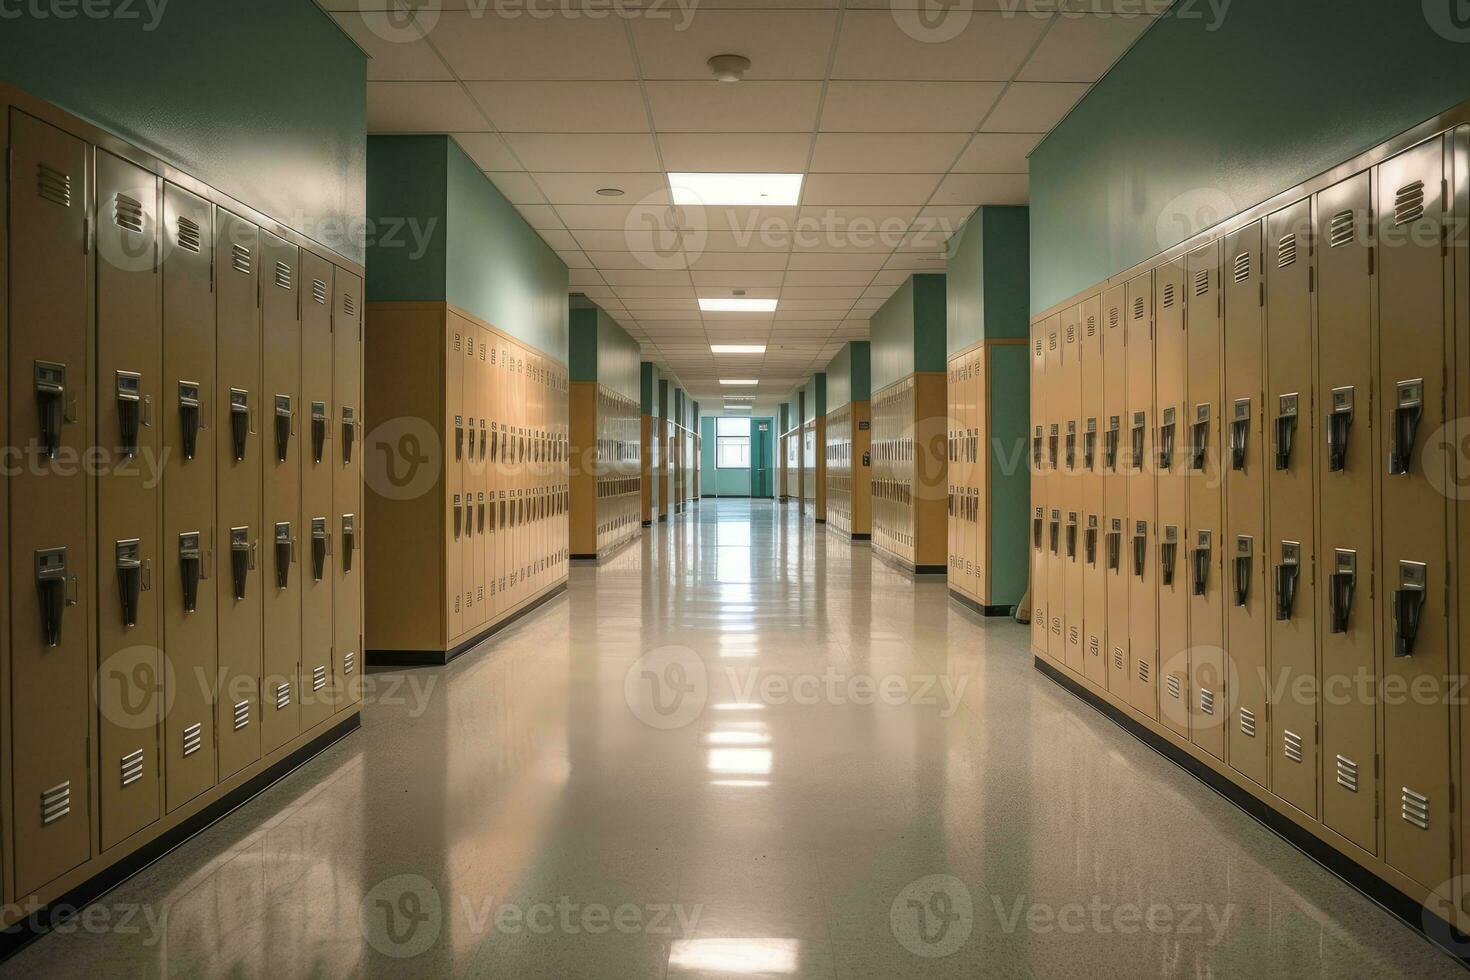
x=347 y=487
x=469 y=542
x=956 y=549
x=490 y=378
x=454 y=489
x=1140 y=458
x=281 y=677
x=479 y=464
x=1111 y=449
x=1416 y=625
x=238 y=531
x=979 y=438
x=1292 y=645
x=1247 y=552
x=129 y=368
x=50 y=571
x=1089 y=464
x=1346 y=455
x=314 y=570
x=190 y=602
x=1071 y=491
x=1056 y=492
x=1202 y=439
x=1171 y=369
x=1040 y=624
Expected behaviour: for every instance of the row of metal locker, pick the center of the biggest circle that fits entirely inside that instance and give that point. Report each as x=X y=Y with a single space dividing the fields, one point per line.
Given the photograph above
x=894 y=517
x=617 y=468
x=966 y=443
x=791 y=458
x=847 y=465
x=507 y=488
x=1245 y=500
x=185 y=389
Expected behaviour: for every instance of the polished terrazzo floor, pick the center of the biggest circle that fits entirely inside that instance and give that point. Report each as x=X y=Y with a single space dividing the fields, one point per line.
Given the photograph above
x=741 y=747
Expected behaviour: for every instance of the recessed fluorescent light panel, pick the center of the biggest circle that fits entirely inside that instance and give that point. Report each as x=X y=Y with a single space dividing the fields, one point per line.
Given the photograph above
x=736 y=189
x=739 y=382
x=735 y=304
x=737 y=348
x=739 y=408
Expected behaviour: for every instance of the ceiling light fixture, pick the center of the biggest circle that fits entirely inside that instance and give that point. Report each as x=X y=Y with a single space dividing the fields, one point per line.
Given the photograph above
x=737 y=348
x=736 y=189
x=729 y=304
x=739 y=382
x=729 y=67
x=609 y=192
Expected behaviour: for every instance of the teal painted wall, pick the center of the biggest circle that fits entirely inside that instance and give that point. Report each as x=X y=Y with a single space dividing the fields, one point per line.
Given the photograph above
x=1205 y=117
x=849 y=375
x=601 y=351
x=814 y=397
x=1007 y=264
x=1010 y=480
x=965 y=275
x=907 y=332
x=265 y=100
x=582 y=339
x=646 y=387
x=408 y=267
x=930 y=303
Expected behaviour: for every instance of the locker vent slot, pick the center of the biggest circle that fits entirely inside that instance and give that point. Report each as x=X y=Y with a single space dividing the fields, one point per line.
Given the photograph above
x=1118 y=657
x=242 y=714
x=283 y=275
x=1248 y=722
x=1201 y=283
x=188 y=237
x=53 y=185
x=1113 y=317
x=349 y=660
x=193 y=738
x=1347 y=774
x=1143 y=671
x=1093 y=646
x=1074 y=635
x=1091 y=326
x=319 y=677
x=1168 y=295
x=132 y=767
x=1051 y=341
x=1138 y=308
x=1414 y=808
x=1291 y=743
x=240 y=258
x=1342 y=231
x=56 y=802
x=1176 y=690
x=1408 y=205
x=1286 y=251
x=128 y=213
x=1206 y=701
x=319 y=291
x=283 y=696
x=348 y=306
x=1242 y=267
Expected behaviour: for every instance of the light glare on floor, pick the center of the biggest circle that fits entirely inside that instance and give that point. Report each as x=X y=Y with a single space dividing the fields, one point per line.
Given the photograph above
x=736 y=304
x=740 y=762
x=728 y=737
x=777 y=190
x=734 y=955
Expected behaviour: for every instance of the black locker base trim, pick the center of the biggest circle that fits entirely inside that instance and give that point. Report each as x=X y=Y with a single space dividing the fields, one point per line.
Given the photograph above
x=980 y=608
x=605 y=553
x=847 y=535
x=68 y=906
x=893 y=561
x=438 y=658
x=1412 y=913
x=648 y=523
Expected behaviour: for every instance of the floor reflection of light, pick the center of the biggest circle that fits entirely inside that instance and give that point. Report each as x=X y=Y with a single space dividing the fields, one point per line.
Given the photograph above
x=740 y=782
x=725 y=736
x=734 y=955
x=739 y=706
x=755 y=762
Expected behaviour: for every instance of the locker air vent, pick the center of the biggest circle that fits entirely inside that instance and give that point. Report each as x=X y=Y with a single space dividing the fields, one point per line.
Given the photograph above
x=193 y=738
x=1118 y=658
x=1092 y=326
x=1051 y=341
x=188 y=236
x=241 y=259
x=1347 y=774
x=1168 y=295
x=53 y=185
x=319 y=677
x=1342 y=230
x=349 y=660
x=1138 y=308
x=132 y=767
x=128 y=213
x=319 y=291
x=1143 y=671
x=1201 y=283
x=348 y=306
x=1093 y=647
x=283 y=275
x=1291 y=744
x=1206 y=701
x=1176 y=690
x=1242 y=267
x=1414 y=808
x=283 y=696
x=1247 y=723
x=56 y=802
x=1286 y=251
x=242 y=714
x=1408 y=205
x=1113 y=317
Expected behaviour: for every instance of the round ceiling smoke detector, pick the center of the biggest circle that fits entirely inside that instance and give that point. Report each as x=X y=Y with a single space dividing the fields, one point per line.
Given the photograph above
x=610 y=192
x=729 y=67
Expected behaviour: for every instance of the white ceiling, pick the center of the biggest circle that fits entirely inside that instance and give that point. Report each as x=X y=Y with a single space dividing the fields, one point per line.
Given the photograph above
x=903 y=115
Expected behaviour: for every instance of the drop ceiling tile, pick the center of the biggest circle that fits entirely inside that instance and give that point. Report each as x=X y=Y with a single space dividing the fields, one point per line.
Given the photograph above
x=1082 y=48
x=867 y=153
x=395 y=53
x=833 y=260
x=864 y=189
x=1033 y=107
x=746 y=220
x=581 y=188
x=575 y=260
x=482 y=45
x=488 y=151
x=672 y=325
x=730 y=241
x=783 y=44
x=646 y=277
x=976 y=189
x=960 y=44
x=629 y=260
x=630 y=292
x=421 y=107
x=998 y=153
x=542 y=217
x=716 y=107
x=652 y=316
x=907 y=107
x=607 y=217
x=764 y=279
x=584 y=277
x=738 y=261
x=828 y=277
x=517 y=187
x=890 y=278
x=876 y=244
x=585 y=152
x=835 y=307
x=820 y=292
x=779 y=153
x=915 y=262
x=562 y=107
x=643 y=304
x=560 y=240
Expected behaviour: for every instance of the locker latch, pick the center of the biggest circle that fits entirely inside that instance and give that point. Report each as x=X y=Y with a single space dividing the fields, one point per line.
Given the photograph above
x=1408 y=606
x=129 y=411
x=1168 y=551
x=191 y=568
x=1110 y=444
x=1240 y=425
x=318 y=431
x=1071 y=447
x=349 y=541
x=50 y=403
x=189 y=417
x=1166 y=441
x=129 y=559
x=458 y=518
x=1140 y=547
x=349 y=432
x=1285 y=427
x=1287 y=574
x=1244 y=549
x=1199 y=436
x=1339 y=422
x=242 y=559
x=1089 y=540
x=285 y=554
x=494 y=440
x=1407 y=411
x=469 y=515
x=459 y=437
x=239 y=420
x=482 y=439
x=1072 y=535
x=1140 y=424
x=51 y=582
x=480 y=511
x=1036 y=521
x=1055 y=526
x=1089 y=444
x=1202 y=550
x=1053 y=436
x=319 y=541
x=285 y=419
x=470 y=429
x=1115 y=543
x=1340 y=587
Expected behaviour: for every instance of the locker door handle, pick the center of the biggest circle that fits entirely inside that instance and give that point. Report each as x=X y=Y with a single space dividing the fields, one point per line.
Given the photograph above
x=1287 y=574
x=1240 y=433
x=1339 y=423
x=1199 y=434
x=1035 y=450
x=241 y=559
x=1055 y=533
x=129 y=578
x=191 y=565
x=483 y=439
x=1406 y=416
x=285 y=418
x=1140 y=552
x=239 y=421
x=51 y=583
x=319 y=539
x=1115 y=545
x=1136 y=438
x=1408 y=606
x=349 y=433
x=470 y=426
x=1201 y=570
x=349 y=541
x=1089 y=448
x=1089 y=545
x=1168 y=551
x=1051 y=447
x=1166 y=446
x=129 y=411
x=189 y=417
x=1071 y=450
x=1110 y=448
x=285 y=554
x=1072 y=540
x=480 y=513
x=1242 y=566
x=458 y=517
x=469 y=516
x=1340 y=587
x=318 y=431
x=1285 y=426
x=50 y=404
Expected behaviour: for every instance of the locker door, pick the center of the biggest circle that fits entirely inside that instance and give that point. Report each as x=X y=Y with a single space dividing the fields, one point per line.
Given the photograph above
x=314 y=570
x=956 y=550
x=347 y=487
x=1247 y=552
x=454 y=409
x=1056 y=492
x=1203 y=442
x=1414 y=573
x=1040 y=625
x=477 y=367
x=190 y=640
x=1071 y=405
x=1292 y=645
x=130 y=370
x=490 y=378
x=1090 y=510
x=238 y=414
x=469 y=469
x=1346 y=457
x=281 y=679
x=979 y=440
x=1141 y=460
x=49 y=386
x=1171 y=365
x=1111 y=452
